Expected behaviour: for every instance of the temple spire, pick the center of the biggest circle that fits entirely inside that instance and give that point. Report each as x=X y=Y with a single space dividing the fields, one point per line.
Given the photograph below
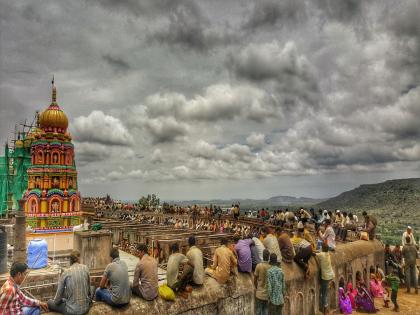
x=54 y=92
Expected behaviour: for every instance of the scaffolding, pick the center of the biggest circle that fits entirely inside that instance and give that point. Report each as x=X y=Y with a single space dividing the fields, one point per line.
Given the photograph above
x=14 y=165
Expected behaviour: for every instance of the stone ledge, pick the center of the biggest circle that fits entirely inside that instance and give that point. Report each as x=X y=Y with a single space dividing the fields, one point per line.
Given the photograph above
x=235 y=297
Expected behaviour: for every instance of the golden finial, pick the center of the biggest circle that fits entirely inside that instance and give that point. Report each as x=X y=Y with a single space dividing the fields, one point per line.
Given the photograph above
x=54 y=92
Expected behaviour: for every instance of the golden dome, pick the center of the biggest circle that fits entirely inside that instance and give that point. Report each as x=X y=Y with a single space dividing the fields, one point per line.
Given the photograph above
x=53 y=118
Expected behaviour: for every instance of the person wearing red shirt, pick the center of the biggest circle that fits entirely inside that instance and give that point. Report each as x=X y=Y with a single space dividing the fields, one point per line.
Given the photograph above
x=12 y=299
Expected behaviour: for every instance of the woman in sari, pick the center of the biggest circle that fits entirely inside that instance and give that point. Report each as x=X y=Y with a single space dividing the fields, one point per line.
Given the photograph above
x=351 y=294
x=344 y=302
x=376 y=288
x=364 y=300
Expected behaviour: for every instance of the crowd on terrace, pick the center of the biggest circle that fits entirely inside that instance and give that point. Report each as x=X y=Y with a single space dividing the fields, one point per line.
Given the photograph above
x=258 y=252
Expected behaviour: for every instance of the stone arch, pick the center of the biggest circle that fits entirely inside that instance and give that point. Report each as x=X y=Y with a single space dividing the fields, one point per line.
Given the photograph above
x=342 y=282
x=350 y=279
x=299 y=303
x=358 y=276
x=311 y=302
x=350 y=276
x=365 y=277
x=332 y=292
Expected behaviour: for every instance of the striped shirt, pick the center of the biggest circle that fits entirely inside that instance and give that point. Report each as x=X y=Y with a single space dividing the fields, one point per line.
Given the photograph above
x=12 y=299
x=74 y=289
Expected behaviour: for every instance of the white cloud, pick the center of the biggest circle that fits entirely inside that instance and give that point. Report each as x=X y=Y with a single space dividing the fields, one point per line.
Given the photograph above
x=101 y=128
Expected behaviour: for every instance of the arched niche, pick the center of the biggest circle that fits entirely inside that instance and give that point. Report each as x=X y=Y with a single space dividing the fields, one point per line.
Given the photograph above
x=55 y=157
x=342 y=282
x=39 y=159
x=55 y=204
x=299 y=304
x=365 y=277
x=311 y=302
x=359 y=276
x=32 y=204
x=287 y=306
x=74 y=204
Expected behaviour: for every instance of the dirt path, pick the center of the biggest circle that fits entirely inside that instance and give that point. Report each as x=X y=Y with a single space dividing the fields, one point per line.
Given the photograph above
x=409 y=304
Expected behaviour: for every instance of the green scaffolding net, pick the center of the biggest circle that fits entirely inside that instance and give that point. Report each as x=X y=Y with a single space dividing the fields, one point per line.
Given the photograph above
x=13 y=176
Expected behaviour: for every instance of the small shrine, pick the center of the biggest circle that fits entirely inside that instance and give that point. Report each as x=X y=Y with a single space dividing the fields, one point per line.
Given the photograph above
x=52 y=199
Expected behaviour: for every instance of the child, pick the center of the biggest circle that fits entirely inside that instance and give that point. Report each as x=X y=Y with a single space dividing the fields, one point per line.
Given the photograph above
x=394 y=282
x=386 y=293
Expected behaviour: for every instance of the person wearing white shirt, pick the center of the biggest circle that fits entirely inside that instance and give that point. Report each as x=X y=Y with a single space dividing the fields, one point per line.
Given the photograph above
x=408 y=233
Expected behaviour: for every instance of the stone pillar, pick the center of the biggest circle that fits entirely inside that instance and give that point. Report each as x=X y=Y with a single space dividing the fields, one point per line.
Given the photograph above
x=20 y=234
x=94 y=248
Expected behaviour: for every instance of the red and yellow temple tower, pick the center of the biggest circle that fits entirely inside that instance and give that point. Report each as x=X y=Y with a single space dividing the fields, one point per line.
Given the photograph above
x=52 y=200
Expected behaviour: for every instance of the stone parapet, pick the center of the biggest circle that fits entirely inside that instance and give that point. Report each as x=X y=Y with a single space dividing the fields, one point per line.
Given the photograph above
x=94 y=248
x=234 y=298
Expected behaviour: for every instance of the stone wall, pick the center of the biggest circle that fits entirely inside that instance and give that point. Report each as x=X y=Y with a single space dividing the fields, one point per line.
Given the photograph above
x=348 y=260
x=237 y=297
x=234 y=298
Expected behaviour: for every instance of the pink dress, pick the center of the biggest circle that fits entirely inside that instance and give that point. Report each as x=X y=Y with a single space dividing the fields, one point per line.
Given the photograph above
x=376 y=288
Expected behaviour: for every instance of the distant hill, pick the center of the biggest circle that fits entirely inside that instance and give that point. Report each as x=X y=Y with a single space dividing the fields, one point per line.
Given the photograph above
x=391 y=194
x=275 y=201
x=396 y=203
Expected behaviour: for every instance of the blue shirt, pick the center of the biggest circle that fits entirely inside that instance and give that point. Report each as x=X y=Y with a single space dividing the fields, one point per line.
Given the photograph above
x=276 y=285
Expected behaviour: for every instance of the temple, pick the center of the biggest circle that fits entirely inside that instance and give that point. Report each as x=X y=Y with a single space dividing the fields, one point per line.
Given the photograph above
x=52 y=199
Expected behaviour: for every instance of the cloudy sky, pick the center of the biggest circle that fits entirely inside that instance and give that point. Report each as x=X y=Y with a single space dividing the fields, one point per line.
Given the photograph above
x=205 y=99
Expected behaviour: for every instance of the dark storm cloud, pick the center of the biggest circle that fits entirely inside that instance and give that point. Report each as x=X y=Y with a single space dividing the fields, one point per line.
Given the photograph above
x=201 y=88
x=270 y=13
x=118 y=64
x=165 y=129
x=342 y=11
x=292 y=73
x=190 y=29
x=144 y=8
x=403 y=22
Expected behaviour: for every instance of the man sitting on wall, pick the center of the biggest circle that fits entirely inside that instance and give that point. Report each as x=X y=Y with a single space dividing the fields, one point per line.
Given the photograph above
x=195 y=255
x=73 y=292
x=178 y=281
x=224 y=263
x=145 y=282
x=12 y=299
x=116 y=275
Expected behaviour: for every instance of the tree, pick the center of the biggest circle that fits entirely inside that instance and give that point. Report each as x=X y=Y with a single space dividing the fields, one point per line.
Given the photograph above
x=150 y=202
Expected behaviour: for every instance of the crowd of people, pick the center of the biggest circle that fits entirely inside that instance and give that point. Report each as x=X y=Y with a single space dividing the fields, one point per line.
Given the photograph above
x=257 y=251
x=400 y=268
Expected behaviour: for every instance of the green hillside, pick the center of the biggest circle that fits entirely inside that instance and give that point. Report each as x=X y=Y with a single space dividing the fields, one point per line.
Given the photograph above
x=396 y=203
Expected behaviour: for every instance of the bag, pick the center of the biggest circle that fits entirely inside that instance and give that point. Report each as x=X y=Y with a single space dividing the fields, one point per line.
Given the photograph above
x=166 y=293
x=364 y=236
